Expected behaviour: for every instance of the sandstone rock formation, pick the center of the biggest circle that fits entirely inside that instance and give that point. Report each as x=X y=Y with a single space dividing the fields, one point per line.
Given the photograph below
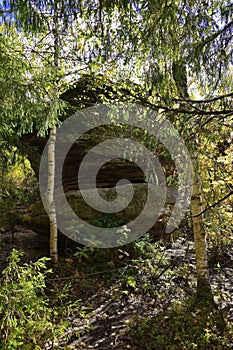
x=88 y=92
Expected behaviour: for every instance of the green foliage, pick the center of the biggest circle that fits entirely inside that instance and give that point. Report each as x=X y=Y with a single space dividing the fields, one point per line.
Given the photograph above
x=149 y=266
x=27 y=91
x=177 y=49
x=107 y=220
x=216 y=173
x=179 y=328
x=84 y=253
x=27 y=321
x=142 y=256
x=18 y=182
x=18 y=185
x=149 y=36
x=8 y=217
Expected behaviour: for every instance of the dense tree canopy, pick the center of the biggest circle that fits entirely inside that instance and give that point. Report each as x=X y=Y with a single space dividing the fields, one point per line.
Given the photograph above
x=150 y=35
x=173 y=56
x=179 y=52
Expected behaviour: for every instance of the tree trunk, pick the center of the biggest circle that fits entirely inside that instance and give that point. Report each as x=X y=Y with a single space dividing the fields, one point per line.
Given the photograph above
x=204 y=292
x=51 y=154
x=50 y=196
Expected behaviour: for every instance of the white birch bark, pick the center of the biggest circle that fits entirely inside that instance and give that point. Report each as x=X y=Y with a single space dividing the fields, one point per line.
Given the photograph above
x=51 y=155
x=50 y=196
x=203 y=281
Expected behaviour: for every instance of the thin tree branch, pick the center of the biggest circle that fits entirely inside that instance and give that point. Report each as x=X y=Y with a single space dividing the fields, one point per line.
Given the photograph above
x=215 y=204
x=215 y=35
x=225 y=112
x=204 y=101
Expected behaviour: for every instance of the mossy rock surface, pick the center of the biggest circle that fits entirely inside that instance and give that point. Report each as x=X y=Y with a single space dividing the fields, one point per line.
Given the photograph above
x=37 y=219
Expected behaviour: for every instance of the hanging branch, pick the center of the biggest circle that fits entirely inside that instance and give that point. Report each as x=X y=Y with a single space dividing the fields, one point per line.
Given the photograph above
x=214 y=205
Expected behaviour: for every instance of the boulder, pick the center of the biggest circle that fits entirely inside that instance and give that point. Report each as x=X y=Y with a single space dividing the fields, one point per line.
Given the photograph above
x=87 y=92
x=37 y=219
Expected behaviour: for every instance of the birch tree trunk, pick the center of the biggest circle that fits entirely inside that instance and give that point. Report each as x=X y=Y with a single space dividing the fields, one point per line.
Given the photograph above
x=50 y=196
x=204 y=292
x=51 y=153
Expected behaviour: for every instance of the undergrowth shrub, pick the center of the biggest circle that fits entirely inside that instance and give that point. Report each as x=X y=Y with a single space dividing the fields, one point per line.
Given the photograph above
x=27 y=320
x=179 y=328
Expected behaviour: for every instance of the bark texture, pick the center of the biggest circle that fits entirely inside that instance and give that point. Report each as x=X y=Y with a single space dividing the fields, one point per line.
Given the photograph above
x=51 y=208
x=204 y=292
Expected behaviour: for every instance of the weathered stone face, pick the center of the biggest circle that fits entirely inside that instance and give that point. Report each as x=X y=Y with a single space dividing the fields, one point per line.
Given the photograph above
x=37 y=219
x=83 y=95
x=116 y=169
x=89 y=91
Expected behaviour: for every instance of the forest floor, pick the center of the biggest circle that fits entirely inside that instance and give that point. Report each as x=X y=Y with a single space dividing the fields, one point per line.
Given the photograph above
x=117 y=290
